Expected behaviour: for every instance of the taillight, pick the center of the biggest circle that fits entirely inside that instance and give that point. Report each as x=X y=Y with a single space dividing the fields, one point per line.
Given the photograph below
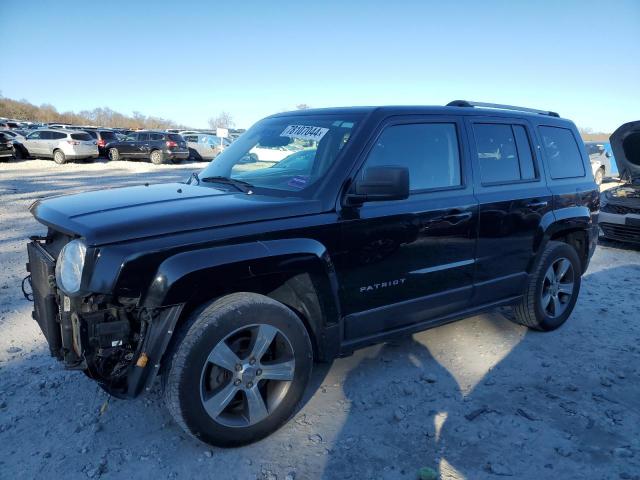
x=102 y=143
x=73 y=142
x=171 y=143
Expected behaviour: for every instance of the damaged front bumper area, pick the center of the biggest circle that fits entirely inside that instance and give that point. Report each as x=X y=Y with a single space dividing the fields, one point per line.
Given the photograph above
x=114 y=341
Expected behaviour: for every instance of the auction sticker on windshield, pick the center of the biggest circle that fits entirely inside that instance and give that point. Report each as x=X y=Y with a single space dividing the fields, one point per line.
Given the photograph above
x=304 y=132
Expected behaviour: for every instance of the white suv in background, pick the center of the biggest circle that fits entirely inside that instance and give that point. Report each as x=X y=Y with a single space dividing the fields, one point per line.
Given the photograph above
x=61 y=145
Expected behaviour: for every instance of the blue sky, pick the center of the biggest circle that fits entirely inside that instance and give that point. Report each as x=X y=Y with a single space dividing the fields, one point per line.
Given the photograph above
x=190 y=60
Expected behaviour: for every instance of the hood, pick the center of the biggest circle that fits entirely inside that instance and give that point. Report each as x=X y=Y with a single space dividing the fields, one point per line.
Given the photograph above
x=625 y=143
x=121 y=214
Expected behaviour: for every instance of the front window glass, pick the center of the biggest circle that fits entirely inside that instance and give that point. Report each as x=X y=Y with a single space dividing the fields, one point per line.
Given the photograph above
x=428 y=150
x=284 y=153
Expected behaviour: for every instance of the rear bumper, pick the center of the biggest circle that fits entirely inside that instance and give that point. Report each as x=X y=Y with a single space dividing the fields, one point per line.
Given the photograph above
x=180 y=155
x=79 y=156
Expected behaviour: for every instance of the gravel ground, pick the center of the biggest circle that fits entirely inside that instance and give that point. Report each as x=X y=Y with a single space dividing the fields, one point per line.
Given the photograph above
x=480 y=398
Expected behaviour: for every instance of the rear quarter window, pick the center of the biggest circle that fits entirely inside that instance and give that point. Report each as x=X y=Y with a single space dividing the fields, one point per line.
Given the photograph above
x=81 y=136
x=562 y=152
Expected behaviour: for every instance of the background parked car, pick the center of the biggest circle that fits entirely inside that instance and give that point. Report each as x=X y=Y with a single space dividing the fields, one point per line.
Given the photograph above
x=153 y=145
x=6 y=146
x=202 y=146
x=61 y=145
x=102 y=138
x=16 y=135
x=598 y=153
x=269 y=154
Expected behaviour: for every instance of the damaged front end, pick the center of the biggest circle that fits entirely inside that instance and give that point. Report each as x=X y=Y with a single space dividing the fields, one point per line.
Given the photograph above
x=619 y=217
x=112 y=339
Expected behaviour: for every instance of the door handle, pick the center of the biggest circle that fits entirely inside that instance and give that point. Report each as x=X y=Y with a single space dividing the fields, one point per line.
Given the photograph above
x=456 y=217
x=453 y=218
x=537 y=204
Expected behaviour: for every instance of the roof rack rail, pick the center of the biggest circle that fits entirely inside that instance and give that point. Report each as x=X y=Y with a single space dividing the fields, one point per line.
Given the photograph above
x=466 y=103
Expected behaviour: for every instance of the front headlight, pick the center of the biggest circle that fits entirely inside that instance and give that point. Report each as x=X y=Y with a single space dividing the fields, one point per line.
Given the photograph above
x=69 y=266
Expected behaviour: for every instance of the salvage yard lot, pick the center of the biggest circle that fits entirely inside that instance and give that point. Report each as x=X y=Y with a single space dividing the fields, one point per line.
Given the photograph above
x=480 y=398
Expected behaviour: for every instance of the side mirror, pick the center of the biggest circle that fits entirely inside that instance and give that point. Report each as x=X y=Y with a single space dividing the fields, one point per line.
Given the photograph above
x=377 y=184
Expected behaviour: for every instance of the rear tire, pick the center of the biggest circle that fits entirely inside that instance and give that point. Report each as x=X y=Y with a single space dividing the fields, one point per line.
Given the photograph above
x=59 y=157
x=156 y=157
x=212 y=389
x=552 y=290
x=113 y=155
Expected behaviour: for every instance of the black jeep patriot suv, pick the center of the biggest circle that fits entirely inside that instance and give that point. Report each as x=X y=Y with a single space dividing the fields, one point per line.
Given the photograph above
x=377 y=222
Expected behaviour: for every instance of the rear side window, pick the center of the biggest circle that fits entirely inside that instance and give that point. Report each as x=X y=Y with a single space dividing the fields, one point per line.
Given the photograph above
x=57 y=135
x=108 y=136
x=156 y=136
x=93 y=133
x=504 y=153
x=81 y=136
x=562 y=153
x=428 y=150
x=190 y=138
x=143 y=137
x=175 y=137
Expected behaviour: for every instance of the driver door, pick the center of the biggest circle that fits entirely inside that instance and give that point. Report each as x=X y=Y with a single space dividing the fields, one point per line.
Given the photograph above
x=128 y=145
x=405 y=262
x=35 y=143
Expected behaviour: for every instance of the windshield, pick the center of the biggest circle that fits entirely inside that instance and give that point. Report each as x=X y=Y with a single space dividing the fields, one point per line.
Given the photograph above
x=284 y=153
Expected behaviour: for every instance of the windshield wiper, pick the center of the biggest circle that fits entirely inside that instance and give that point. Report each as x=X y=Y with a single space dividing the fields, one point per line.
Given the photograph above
x=239 y=184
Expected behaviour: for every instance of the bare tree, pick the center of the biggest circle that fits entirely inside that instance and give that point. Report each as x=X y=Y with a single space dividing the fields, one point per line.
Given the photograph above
x=23 y=110
x=223 y=120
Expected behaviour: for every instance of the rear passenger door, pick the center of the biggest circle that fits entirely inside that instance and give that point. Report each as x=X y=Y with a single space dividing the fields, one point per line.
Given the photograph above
x=53 y=141
x=513 y=198
x=403 y=262
x=143 y=146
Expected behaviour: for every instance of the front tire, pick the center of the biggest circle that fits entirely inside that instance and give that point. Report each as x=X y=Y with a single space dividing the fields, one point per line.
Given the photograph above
x=552 y=290
x=59 y=157
x=157 y=158
x=239 y=370
x=599 y=176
